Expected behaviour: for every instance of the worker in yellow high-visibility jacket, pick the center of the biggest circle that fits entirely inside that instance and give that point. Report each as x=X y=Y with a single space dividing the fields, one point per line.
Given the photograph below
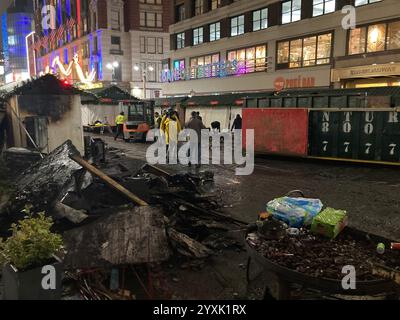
x=119 y=121
x=170 y=128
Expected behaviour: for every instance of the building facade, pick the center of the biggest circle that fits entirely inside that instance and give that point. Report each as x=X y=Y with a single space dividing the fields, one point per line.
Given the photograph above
x=226 y=46
x=16 y=24
x=101 y=42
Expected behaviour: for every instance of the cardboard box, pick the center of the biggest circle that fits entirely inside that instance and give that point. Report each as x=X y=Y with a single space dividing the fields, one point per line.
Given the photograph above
x=329 y=222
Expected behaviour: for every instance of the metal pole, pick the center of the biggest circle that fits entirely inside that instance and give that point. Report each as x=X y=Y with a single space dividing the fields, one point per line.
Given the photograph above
x=144 y=84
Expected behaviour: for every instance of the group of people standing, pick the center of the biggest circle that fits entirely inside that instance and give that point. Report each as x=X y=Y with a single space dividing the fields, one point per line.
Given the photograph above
x=170 y=126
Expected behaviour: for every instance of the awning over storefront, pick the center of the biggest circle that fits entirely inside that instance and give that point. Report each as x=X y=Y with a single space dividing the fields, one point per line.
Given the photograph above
x=370 y=71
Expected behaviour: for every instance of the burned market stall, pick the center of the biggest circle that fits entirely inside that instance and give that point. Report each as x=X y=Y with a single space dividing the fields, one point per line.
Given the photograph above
x=42 y=114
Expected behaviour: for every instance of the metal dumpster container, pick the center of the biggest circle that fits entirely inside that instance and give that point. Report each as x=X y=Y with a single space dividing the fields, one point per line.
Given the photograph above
x=370 y=135
x=282 y=131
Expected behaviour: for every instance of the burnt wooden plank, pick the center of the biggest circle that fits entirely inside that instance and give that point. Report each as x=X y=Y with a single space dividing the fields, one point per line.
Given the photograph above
x=133 y=236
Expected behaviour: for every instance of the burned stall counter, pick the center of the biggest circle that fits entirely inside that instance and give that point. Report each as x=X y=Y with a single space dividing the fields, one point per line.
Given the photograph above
x=364 y=135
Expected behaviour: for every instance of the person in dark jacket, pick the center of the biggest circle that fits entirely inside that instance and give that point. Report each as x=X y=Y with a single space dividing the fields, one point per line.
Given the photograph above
x=237 y=123
x=197 y=125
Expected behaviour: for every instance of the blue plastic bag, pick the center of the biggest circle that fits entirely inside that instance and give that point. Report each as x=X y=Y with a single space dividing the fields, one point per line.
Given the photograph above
x=296 y=212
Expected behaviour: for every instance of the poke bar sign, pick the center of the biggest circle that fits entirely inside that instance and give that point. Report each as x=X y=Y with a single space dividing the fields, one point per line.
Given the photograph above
x=281 y=83
x=214 y=70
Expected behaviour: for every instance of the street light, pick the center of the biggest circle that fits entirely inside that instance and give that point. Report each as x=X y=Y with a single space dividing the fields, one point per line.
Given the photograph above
x=144 y=76
x=113 y=66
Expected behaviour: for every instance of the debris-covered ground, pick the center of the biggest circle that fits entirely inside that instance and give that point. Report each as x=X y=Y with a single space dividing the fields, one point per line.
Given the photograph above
x=324 y=258
x=184 y=239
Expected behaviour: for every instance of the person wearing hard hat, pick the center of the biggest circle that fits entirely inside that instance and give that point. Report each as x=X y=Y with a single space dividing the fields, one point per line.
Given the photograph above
x=119 y=121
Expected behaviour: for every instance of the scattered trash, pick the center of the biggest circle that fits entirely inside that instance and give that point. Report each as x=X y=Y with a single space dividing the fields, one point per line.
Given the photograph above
x=395 y=246
x=296 y=212
x=293 y=231
x=380 y=248
x=329 y=223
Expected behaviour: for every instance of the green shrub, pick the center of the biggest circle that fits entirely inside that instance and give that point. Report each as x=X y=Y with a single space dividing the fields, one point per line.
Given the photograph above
x=32 y=243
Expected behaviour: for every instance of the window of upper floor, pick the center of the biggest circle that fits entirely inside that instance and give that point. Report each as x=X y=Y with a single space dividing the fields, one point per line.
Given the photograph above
x=237 y=25
x=197 y=36
x=321 y=7
x=215 y=31
x=374 y=38
x=291 y=11
x=260 y=19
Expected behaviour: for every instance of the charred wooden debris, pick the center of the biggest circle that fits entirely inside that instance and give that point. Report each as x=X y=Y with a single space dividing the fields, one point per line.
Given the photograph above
x=121 y=218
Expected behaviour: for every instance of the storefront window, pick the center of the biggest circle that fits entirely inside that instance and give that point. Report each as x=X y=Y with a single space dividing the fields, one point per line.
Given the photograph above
x=309 y=47
x=295 y=53
x=393 y=36
x=357 y=41
x=250 y=59
x=204 y=66
x=374 y=38
x=324 y=48
x=179 y=64
x=305 y=52
x=283 y=52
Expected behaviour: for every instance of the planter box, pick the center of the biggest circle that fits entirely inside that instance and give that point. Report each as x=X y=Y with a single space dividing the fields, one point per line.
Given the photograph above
x=27 y=285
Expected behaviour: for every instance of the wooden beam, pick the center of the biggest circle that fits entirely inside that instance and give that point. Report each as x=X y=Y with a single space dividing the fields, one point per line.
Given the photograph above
x=112 y=183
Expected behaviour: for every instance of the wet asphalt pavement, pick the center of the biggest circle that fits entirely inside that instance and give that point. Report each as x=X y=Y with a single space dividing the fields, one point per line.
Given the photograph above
x=369 y=194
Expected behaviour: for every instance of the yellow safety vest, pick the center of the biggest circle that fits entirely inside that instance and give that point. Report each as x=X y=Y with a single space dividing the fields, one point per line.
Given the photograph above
x=120 y=119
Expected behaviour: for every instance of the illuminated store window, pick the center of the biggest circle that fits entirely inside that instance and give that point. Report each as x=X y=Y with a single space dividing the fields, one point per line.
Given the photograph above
x=204 y=66
x=364 y=2
x=250 y=59
x=237 y=25
x=305 y=52
x=260 y=19
x=393 y=36
x=197 y=36
x=215 y=31
x=321 y=7
x=374 y=38
x=180 y=40
x=291 y=11
x=179 y=64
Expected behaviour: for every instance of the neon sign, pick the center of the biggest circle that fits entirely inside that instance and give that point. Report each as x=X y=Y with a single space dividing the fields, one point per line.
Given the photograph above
x=214 y=70
x=86 y=79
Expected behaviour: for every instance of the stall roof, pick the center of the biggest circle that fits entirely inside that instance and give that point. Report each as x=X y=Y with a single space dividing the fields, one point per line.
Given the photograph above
x=230 y=99
x=169 y=102
x=48 y=85
x=112 y=95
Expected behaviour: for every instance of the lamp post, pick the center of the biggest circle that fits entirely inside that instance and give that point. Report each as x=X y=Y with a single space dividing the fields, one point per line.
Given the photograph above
x=144 y=77
x=112 y=67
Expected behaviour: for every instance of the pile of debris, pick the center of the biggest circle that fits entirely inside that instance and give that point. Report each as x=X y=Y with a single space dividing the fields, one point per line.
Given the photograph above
x=321 y=257
x=122 y=212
